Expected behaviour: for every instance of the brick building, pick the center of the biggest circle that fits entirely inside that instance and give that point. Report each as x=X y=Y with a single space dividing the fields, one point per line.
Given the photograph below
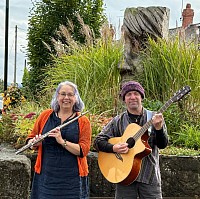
x=188 y=30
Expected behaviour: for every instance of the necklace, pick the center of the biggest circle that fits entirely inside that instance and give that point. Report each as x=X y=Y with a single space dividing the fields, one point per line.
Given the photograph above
x=134 y=118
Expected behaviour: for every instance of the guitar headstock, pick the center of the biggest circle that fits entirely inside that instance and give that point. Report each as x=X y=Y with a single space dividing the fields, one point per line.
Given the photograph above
x=181 y=93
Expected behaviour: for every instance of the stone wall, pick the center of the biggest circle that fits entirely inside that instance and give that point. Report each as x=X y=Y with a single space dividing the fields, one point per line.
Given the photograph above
x=15 y=174
x=180 y=176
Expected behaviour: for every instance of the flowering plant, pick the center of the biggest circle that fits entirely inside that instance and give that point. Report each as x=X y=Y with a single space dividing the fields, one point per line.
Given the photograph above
x=12 y=98
x=16 y=127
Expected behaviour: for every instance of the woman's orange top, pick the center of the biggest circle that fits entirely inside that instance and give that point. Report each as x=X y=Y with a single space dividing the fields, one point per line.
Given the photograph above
x=84 y=140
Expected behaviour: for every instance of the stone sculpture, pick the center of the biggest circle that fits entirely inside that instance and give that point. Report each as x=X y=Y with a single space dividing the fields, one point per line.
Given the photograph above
x=139 y=24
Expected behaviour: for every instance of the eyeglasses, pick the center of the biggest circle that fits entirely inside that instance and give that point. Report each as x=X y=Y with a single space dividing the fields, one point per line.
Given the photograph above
x=66 y=94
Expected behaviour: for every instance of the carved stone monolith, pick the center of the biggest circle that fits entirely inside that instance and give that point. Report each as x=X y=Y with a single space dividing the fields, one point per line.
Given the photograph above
x=139 y=24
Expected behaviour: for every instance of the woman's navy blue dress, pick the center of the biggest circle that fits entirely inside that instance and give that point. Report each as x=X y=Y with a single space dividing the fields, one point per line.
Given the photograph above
x=59 y=177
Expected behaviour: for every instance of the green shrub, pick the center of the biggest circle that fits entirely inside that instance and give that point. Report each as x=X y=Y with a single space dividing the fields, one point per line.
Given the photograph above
x=181 y=131
x=12 y=98
x=172 y=115
x=1 y=127
x=8 y=129
x=188 y=136
x=179 y=151
x=168 y=66
x=94 y=67
x=23 y=126
x=18 y=122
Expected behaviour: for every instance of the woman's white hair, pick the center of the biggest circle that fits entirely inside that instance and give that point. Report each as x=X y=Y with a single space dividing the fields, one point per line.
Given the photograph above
x=79 y=104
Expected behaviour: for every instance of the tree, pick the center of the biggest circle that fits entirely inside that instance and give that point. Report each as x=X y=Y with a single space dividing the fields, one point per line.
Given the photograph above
x=1 y=86
x=46 y=17
x=25 y=83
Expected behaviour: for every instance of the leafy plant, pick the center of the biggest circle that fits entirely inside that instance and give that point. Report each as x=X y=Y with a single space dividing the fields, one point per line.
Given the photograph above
x=1 y=127
x=18 y=122
x=45 y=19
x=173 y=115
x=179 y=151
x=8 y=128
x=12 y=98
x=168 y=66
x=23 y=127
x=1 y=86
x=188 y=136
x=94 y=68
x=98 y=122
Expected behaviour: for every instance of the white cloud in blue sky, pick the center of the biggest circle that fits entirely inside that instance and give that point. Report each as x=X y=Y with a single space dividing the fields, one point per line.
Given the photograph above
x=19 y=12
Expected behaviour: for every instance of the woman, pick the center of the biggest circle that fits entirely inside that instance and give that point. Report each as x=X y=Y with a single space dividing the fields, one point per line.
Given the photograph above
x=61 y=169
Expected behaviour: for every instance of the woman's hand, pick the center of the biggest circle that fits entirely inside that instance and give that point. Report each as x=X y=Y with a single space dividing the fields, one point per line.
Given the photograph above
x=37 y=137
x=56 y=133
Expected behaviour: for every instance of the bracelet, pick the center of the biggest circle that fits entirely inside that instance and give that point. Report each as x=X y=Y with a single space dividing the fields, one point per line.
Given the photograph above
x=64 y=144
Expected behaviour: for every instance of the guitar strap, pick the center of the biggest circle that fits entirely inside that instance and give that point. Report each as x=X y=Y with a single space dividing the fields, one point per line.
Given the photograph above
x=149 y=116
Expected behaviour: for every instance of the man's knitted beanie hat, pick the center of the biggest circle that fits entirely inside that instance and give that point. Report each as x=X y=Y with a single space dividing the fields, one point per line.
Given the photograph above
x=131 y=86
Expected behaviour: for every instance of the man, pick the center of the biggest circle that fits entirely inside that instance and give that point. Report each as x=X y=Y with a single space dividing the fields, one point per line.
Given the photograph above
x=147 y=184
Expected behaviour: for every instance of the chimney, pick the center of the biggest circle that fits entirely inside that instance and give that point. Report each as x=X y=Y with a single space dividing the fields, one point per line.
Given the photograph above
x=187 y=15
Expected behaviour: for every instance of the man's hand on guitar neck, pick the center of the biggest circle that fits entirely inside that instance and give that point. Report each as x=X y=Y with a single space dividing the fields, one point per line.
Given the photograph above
x=158 y=121
x=120 y=148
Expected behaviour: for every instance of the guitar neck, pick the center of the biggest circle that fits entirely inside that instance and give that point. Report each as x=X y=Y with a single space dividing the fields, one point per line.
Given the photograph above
x=165 y=106
x=149 y=123
x=143 y=130
x=177 y=96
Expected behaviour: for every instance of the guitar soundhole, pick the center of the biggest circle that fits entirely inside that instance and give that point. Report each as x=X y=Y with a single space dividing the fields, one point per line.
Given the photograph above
x=131 y=142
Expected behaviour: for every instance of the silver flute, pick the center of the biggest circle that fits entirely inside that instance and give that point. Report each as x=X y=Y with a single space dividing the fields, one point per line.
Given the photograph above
x=27 y=146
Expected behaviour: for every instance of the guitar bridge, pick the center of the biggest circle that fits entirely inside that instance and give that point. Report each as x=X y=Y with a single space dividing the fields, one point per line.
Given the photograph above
x=118 y=156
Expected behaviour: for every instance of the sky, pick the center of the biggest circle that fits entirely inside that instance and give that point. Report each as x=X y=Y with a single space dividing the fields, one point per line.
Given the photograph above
x=19 y=12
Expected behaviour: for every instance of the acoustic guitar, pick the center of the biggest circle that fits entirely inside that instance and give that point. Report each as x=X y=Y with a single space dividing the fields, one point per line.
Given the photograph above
x=124 y=168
